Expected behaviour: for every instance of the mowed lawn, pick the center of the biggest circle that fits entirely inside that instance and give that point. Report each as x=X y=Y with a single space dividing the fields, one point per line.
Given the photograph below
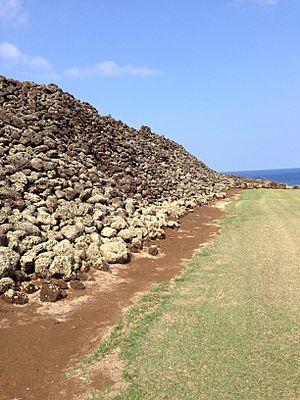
x=229 y=326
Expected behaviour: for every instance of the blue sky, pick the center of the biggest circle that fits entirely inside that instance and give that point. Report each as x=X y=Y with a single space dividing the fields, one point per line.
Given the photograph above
x=221 y=77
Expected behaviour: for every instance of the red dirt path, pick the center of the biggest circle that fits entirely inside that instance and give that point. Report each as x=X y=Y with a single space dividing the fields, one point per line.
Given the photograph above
x=40 y=342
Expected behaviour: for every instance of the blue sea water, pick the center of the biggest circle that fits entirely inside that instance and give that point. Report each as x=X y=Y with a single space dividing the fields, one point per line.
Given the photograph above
x=291 y=176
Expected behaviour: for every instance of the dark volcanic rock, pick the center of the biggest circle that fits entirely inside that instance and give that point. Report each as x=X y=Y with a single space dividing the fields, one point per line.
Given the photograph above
x=29 y=287
x=77 y=285
x=14 y=297
x=153 y=250
x=51 y=292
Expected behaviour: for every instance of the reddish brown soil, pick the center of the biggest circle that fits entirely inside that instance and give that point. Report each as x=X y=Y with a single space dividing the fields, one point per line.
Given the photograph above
x=40 y=342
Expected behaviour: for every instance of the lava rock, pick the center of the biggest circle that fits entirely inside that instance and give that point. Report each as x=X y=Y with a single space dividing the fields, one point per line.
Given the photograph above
x=8 y=261
x=29 y=287
x=153 y=250
x=51 y=292
x=115 y=252
x=5 y=284
x=77 y=285
x=14 y=297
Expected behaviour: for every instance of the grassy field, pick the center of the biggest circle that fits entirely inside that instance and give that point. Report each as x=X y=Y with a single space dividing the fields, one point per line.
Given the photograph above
x=229 y=326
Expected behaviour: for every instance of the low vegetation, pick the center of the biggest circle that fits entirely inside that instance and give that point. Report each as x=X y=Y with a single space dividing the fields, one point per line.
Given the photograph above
x=228 y=327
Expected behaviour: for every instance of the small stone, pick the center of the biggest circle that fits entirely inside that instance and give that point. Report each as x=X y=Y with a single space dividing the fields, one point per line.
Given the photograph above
x=153 y=250
x=127 y=234
x=85 y=194
x=77 y=285
x=44 y=218
x=29 y=228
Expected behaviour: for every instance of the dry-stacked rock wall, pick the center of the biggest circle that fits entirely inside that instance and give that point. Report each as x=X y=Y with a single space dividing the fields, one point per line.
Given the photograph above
x=79 y=190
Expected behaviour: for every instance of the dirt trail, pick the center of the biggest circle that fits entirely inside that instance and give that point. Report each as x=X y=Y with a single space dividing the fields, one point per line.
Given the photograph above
x=40 y=342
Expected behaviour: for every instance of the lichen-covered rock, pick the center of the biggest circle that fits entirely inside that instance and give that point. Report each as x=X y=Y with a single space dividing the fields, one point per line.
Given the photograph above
x=63 y=247
x=45 y=218
x=127 y=234
x=8 y=261
x=108 y=232
x=61 y=266
x=115 y=252
x=221 y=195
x=97 y=198
x=118 y=223
x=5 y=284
x=42 y=264
x=71 y=232
x=172 y=224
x=93 y=252
x=29 y=228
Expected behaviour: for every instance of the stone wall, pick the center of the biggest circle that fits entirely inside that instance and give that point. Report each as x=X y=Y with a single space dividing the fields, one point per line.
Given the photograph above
x=79 y=190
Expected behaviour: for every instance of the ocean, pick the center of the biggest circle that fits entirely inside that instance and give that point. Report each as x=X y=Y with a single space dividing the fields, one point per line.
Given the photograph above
x=291 y=176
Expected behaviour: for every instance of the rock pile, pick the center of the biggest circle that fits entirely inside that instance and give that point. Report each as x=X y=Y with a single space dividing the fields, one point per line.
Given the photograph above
x=249 y=183
x=79 y=190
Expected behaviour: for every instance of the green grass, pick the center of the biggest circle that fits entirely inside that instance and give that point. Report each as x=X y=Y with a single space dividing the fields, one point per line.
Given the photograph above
x=229 y=326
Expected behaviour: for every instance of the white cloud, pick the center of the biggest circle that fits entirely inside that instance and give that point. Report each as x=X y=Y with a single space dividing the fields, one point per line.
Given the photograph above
x=12 y=12
x=11 y=54
x=110 y=68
